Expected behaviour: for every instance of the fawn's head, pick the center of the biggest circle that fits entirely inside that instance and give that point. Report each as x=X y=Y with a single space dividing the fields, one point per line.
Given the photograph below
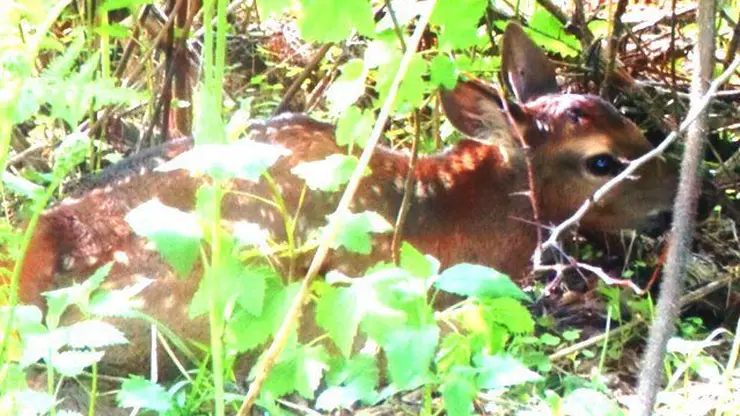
x=576 y=142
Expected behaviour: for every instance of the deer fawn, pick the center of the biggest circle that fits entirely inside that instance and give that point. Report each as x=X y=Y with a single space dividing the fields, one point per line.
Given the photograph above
x=468 y=203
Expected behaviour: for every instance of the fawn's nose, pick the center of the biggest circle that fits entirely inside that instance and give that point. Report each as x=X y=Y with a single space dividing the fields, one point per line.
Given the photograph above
x=658 y=222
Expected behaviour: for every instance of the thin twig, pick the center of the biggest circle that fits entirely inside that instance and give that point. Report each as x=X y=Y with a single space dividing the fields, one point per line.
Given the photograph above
x=408 y=191
x=296 y=307
x=293 y=88
x=684 y=208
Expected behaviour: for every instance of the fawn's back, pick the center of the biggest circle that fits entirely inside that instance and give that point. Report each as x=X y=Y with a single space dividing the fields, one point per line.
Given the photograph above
x=469 y=203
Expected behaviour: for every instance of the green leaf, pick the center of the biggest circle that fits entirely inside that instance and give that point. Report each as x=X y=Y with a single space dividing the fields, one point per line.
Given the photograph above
x=78 y=294
x=327 y=174
x=355 y=126
x=22 y=186
x=411 y=91
x=467 y=279
x=348 y=87
x=300 y=371
x=73 y=363
x=546 y=31
x=138 y=392
x=589 y=402
x=333 y=21
x=443 y=73
x=119 y=302
x=410 y=352
x=354 y=231
x=94 y=334
x=509 y=313
x=355 y=380
x=30 y=402
x=341 y=327
x=242 y=159
x=416 y=263
x=497 y=371
x=454 y=351
x=245 y=331
x=231 y=281
x=175 y=233
x=459 y=20
x=459 y=391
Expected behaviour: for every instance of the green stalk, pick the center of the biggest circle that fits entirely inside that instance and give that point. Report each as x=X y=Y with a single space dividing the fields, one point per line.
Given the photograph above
x=215 y=314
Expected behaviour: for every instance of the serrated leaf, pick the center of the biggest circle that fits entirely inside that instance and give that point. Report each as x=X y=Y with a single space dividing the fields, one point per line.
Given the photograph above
x=231 y=281
x=459 y=20
x=300 y=372
x=77 y=294
x=459 y=391
x=175 y=233
x=243 y=159
x=29 y=402
x=467 y=279
x=416 y=263
x=341 y=327
x=354 y=232
x=73 y=363
x=443 y=73
x=22 y=186
x=411 y=90
x=119 y=302
x=454 y=351
x=356 y=380
x=497 y=371
x=348 y=87
x=354 y=126
x=509 y=313
x=138 y=392
x=589 y=402
x=331 y=21
x=410 y=352
x=94 y=334
x=327 y=174
x=548 y=32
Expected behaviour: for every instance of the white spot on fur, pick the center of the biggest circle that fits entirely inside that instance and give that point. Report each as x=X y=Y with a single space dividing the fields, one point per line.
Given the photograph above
x=121 y=257
x=376 y=190
x=91 y=260
x=421 y=191
x=68 y=262
x=108 y=189
x=446 y=178
x=398 y=183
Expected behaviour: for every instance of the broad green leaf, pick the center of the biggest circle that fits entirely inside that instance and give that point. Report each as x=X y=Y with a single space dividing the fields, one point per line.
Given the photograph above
x=509 y=313
x=175 y=233
x=348 y=87
x=245 y=331
x=119 y=302
x=138 y=392
x=30 y=402
x=589 y=402
x=547 y=31
x=333 y=21
x=73 y=363
x=42 y=345
x=341 y=327
x=300 y=372
x=459 y=20
x=78 y=294
x=443 y=73
x=356 y=380
x=327 y=174
x=354 y=126
x=231 y=281
x=243 y=159
x=411 y=91
x=109 y=5
x=455 y=350
x=22 y=186
x=355 y=229
x=94 y=334
x=467 y=279
x=497 y=371
x=410 y=352
x=416 y=263
x=459 y=391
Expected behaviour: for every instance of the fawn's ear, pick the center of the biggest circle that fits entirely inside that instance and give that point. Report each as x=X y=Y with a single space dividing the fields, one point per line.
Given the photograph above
x=527 y=72
x=476 y=110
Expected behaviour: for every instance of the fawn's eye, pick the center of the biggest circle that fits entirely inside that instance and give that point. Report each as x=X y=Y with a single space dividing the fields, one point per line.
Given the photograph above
x=574 y=114
x=604 y=164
